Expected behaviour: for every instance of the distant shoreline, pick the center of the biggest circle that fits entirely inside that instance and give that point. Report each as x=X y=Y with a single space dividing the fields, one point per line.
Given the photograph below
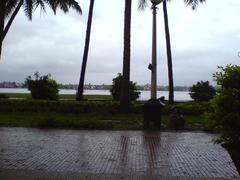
x=181 y=90
x=145 y=94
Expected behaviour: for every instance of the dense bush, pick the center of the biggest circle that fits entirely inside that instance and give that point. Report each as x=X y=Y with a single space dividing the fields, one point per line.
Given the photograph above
x=226 y=105
x=116 y=89
x=202 y=91
x=42 y=87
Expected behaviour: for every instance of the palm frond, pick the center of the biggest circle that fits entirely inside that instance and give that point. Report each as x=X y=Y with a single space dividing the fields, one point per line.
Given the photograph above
x=28 y=8
x=52 y=5
x=40 y=3
x=142 y=4
x=63 y=5
x=74 y=5
x=10 y=6
x=193 y=3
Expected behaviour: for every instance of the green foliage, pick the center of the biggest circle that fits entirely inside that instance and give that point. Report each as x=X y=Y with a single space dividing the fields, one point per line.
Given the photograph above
x=189 y=108
x=54 y=122
x=116 y=89
x=3 y=96
x=58 y=106
x=202 y=91
x=226 y=104
x=67 y=106
x=64 y=97
x=42 y=87
x=73 y=121
x=87 y=121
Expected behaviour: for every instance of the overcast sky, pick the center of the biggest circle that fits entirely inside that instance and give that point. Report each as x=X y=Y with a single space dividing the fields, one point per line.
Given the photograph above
x=201 y=41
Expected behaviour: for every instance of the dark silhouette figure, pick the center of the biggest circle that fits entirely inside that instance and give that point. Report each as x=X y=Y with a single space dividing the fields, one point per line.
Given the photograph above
x=177 y=119
x=85 y=54
x=125 y=93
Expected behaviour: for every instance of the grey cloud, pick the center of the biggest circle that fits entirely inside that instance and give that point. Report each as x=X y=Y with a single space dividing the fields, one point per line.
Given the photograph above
x=201 y=41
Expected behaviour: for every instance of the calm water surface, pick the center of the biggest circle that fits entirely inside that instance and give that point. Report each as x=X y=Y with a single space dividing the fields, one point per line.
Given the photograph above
x=145 y=95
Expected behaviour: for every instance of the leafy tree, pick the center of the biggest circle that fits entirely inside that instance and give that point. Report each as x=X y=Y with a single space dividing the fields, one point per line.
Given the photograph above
x=202 y=91
x=10 y=8
x=116 y=89
x=226 y=104
x=79 y=95
x=42 y=87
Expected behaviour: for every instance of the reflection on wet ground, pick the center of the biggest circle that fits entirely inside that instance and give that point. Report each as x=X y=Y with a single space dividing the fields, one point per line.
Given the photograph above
x=114 y=152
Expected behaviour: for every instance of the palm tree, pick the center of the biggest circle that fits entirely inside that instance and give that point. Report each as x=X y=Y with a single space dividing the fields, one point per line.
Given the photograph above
x=79 y=95
x=125 y=93
x=193 y=4
x=2 y=13
x=10 y=8
x=169 y=54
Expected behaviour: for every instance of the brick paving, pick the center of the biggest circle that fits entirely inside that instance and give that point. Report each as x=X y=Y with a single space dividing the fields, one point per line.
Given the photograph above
x=112 y=154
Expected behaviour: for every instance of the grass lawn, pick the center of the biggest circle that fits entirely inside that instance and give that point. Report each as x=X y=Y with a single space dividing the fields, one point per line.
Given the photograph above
x=100 y=112
x=88 y=121
x=61 y=96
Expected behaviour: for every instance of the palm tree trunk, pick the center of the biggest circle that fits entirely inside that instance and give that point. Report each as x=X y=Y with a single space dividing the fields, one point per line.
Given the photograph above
x=2 y=13
x=169 y=54
x=10 y=21
x=125 y=92
x=85 y=54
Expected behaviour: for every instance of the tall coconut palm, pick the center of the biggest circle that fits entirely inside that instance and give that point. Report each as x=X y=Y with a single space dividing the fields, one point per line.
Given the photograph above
x=79 y=95
x=169 y=54
x=193 y=4
x=2 y=13
x=125 y=93
x=10 y=8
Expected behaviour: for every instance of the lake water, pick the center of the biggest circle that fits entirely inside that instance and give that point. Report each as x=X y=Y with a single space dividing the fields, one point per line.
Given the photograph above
x=145 y=95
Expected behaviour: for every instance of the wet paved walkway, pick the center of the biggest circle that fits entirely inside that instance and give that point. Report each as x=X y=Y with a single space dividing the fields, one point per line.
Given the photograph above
x=135 y=154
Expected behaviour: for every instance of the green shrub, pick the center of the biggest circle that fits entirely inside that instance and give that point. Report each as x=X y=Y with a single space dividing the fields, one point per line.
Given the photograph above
x=202 y=91
x=112 y=107
x=116 y=89
x=226 y=104
x=189 y=108
x=42 y=87
x=3 y=96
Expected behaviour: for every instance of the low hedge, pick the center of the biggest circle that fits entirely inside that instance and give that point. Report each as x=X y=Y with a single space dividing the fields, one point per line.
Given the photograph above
x=189 y=108
x=3 y=96
x=9 y=105
x=58 y=106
